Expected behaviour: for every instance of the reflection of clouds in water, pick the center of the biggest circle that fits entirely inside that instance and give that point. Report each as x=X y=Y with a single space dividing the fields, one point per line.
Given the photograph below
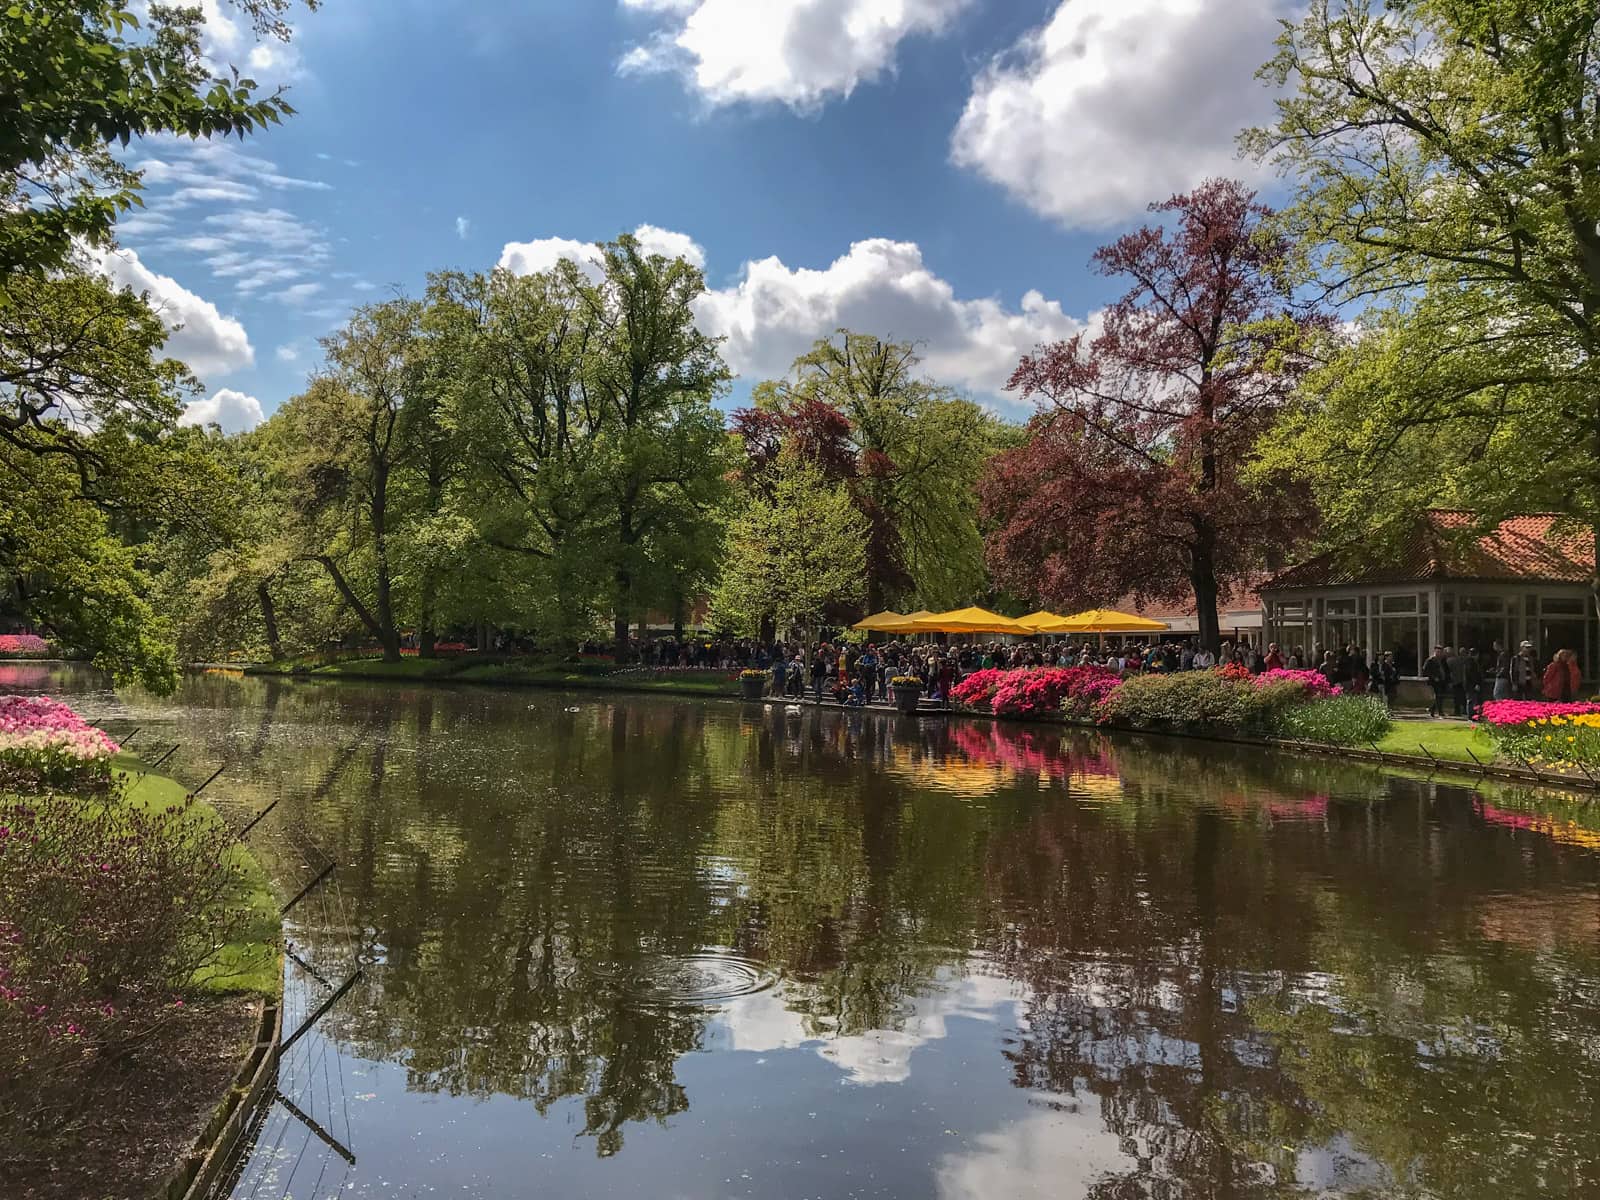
x=763 y=1022
x=1059 y=1152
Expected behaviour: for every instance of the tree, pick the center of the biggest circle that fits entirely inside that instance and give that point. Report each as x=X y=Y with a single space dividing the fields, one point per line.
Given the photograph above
x=1130 y=480
x=1444 y=153
x=77 y=76
x=648 y=377
x=350 y=446
x=791 y=553
x=916 y=451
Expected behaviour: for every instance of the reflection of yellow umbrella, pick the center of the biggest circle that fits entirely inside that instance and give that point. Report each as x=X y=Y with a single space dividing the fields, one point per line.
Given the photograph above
x=1106 y=620
x=1040 y=621
x=885 y=622
x=971 y=620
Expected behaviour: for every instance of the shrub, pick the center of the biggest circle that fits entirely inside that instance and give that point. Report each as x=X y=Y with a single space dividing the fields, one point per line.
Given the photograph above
x=104 y=909
x=23 y=645
x=1188 y=699
x=1312 y=683
x=1037 y=690
x=978 y=689
x=1335 y=720
x=44 y=744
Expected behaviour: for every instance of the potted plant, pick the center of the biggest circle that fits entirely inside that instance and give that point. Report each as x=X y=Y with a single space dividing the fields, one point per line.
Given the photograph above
x=752 y=683
x=907 y=692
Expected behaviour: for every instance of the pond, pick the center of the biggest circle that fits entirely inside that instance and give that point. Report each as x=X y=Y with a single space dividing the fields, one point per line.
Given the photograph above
x=649 y=947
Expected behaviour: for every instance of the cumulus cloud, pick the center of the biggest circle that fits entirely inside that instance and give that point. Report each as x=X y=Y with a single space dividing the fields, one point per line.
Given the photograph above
x=232 y=411
x=526 y=258
x=212 y=344
x=773 y=313
x=1113 y=104
x=794 y=52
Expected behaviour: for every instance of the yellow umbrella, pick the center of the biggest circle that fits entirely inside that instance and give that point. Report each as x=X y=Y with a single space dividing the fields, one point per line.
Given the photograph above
x=1106 y=620
x=1039 y=621
x=971 y=620
x=884 y=621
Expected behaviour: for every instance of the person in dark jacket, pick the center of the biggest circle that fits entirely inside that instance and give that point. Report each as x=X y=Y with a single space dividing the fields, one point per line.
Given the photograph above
x=1386 y=677
x=1472 y=681
x=1437 y=672
x=1526 y=674
x=1500 y=673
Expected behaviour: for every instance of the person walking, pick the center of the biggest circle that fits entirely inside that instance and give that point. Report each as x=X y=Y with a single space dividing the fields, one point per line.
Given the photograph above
x=1386 y=677
x=1437 y=672
x=1525 y=673
x=1458 y=679
x=1562 y=677
x=1472 y=681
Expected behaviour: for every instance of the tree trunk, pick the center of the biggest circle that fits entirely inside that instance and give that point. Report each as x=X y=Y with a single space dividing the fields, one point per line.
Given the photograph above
x=1203 y=578
x=388 y=635
x=363 y=613
x=269 y=618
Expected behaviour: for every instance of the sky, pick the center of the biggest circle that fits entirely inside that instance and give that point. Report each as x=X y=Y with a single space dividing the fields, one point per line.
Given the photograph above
x=930 y=170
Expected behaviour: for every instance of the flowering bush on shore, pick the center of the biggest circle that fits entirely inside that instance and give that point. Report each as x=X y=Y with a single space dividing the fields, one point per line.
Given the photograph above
x=1037 y=690
x=1555 y=735
x=23 y=645
x=979 y=688
x=105 y=910
x=45 y=744
x=1313 y=683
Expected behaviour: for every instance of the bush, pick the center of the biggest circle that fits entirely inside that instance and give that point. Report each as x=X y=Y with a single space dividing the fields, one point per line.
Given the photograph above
x=1032 y=691
x=978 y=689
x=23 y=645
x=1210 y=700
x=104 y=910
x=1335 y=721
x=1312 y=683
x=44 y=744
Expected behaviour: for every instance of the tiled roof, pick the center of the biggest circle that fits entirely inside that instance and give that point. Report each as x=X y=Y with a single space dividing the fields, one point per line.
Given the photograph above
x=1441 y=546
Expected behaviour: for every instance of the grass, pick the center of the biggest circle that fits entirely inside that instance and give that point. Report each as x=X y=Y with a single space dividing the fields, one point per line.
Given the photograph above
x=250 y=962
x=1458 y=741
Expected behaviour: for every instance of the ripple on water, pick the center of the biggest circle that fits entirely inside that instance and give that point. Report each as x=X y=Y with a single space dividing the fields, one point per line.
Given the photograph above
x=706 y=978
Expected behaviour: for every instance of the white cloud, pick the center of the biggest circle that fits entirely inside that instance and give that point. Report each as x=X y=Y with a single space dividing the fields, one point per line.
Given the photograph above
x=287 y=353
x=774 y=313
x=1113 y=104
x=1062 y=1150
x=209 y=342
x=233 y=411
x=297 y=294
x=462 y=226
x=526 y=258
x=794 y=52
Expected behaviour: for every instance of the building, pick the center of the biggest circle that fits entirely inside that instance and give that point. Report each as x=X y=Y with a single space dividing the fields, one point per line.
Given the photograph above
x=1239 y=616
x=1447 y=586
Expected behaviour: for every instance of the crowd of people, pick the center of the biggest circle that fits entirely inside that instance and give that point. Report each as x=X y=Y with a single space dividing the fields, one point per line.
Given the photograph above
x=1460 y=678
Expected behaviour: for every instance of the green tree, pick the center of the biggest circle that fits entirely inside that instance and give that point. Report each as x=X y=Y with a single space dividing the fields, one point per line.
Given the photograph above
x=1445 y=155
x=920 y=450
x=77 y=76
x=648 y=380
x=791 y=553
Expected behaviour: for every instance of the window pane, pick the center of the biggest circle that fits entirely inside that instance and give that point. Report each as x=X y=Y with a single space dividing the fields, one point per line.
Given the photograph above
x=1399 y=604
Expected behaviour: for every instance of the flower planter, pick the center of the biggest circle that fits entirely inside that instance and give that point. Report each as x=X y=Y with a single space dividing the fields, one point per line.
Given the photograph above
x=907 y=698
x=752 y=688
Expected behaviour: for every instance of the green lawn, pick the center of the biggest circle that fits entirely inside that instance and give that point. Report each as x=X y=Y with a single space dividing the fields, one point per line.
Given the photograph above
x=251 y=962
x=1457 y=740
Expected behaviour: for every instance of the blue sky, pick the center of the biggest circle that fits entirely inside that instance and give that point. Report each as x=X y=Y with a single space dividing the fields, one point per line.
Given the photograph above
x=938 y=170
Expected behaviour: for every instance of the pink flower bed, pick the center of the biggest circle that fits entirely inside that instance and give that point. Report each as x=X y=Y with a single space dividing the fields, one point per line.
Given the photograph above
x=43 y=743
x=1314 y=682
x=1050 y=689
x=1520 y=712
x=23 y=643
x=979 y=687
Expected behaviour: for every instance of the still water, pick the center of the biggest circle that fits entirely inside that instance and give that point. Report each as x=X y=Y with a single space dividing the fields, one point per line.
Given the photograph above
x=649 y=947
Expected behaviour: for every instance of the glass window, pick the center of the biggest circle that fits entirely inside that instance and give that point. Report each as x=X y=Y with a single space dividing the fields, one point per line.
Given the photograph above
x=1483 y=604
x=1344 y=606
x=1403 y=636
x=1399 y=604
x=1569 y=606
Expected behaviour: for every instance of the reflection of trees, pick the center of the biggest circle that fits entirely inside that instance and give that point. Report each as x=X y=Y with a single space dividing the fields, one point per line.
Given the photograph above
x=1239 y=957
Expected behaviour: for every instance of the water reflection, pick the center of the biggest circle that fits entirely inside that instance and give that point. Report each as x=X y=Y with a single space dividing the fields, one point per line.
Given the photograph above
x=1009 y=961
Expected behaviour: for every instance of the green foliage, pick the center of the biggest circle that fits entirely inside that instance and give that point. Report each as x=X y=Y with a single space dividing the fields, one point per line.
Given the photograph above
x=1444 y=153
x=791 y=554
x=78 y=77
x=1199 y=700
x=1335 y=721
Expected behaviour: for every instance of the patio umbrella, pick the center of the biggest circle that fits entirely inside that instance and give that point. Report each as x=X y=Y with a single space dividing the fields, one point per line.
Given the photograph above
x=971 y=620
x=883 y=622
x=1106 y=620
x=1040 y=621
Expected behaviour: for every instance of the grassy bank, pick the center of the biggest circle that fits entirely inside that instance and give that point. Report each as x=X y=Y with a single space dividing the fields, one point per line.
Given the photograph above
x=1458 y=741
x=251 y=962
x=511 y=674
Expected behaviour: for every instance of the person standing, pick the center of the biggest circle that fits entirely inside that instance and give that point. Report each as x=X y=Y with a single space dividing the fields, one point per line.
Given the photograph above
x=780 y=671
x=1437 y=672
x=1472 y=681
x=1274 y=661
x=1500 y=672
x=1562 y=677
x=1525 y=673
x=819 y=673
x=1386 y=677
x=1458 y=679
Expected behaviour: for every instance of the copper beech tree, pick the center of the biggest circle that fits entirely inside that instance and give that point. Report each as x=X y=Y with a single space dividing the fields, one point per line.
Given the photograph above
x=1130 y=479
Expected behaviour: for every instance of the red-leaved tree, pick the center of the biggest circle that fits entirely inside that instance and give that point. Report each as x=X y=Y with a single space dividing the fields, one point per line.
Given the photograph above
x=1130 y=480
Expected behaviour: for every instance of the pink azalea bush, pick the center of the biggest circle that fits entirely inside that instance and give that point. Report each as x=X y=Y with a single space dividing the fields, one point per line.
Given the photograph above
x=1077 y=690
x=978 y=688
x=23 y=645
x=1314 y=683
x=45 y=744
